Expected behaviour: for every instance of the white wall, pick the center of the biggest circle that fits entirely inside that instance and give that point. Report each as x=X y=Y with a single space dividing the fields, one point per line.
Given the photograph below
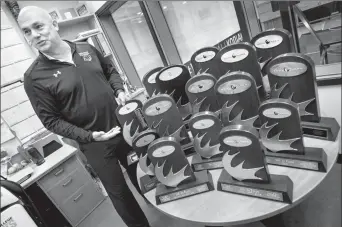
x=49 y=4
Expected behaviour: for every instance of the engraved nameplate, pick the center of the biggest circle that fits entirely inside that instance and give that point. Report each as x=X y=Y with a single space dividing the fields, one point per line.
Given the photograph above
x=253 y=192
x=183 y=193
x=292 y=162
x=315 y=132
x=208 y=165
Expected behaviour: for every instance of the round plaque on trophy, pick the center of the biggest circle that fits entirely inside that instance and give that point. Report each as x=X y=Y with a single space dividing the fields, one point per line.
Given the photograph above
x=171 y=165
x=171 y=80
x=162 y=114
x=271 y=43
x=149 y=81
x=131 y=119
x=236 y=92
x=201 y=93
x=204 y=60
x=241 y=56
x=292 y=76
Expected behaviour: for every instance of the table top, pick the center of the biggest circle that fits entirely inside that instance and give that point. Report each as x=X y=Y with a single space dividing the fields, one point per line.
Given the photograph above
x=220 y=208
x=51 y=162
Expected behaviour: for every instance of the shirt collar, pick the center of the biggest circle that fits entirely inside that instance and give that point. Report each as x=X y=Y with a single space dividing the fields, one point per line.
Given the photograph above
x=49 y=58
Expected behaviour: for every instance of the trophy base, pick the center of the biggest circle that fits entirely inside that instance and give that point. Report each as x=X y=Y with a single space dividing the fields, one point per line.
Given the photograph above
x=313 y=159
x=198 y=163
x=327 y=129
x=188 y=149
x=132 y=157
x=203 y=183
x=148 y=183
x=280 y=188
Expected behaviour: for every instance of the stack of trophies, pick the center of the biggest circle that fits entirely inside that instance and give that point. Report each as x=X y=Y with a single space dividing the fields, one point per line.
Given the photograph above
x=248 y=106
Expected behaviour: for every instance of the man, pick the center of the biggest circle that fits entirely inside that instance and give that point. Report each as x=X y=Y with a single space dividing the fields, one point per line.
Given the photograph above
x=72 y=89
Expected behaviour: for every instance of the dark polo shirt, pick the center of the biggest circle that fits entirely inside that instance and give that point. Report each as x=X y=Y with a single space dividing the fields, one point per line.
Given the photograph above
x=74 y=100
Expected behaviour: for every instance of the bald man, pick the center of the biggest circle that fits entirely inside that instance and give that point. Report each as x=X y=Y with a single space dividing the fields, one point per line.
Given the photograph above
x=72 y=89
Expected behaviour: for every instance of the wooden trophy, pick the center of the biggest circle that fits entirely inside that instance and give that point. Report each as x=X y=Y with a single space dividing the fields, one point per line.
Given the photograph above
x=149 y=81
x=245 y=170
x=140 y=144
x=132 y=122
x=171 y=80
x=204 y=127
x=162 y=115
x=272 y=43
x=200 y=90
x=242 y=56
x=281 y=135
x=237 y=95
x=173 y=171
x=292 y=76
x=204 y=60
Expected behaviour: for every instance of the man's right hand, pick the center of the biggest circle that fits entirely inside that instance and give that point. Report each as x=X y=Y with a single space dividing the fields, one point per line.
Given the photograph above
x=103 y=136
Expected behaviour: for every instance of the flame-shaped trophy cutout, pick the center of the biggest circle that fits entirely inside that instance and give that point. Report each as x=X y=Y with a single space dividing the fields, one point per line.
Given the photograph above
x=208 y=150
x=281 y=135
x=140 y=145
x=131 y=119
x=276 y=93
x=127 y=132
x=201 y=93
x=173 y=171
x=245 y=170
x=275 y=144
x=171 y=179
x=226 y=113
x=205 y=127
x=238 y=172
x=161 y=114
x=172 y=80
x=237 y=95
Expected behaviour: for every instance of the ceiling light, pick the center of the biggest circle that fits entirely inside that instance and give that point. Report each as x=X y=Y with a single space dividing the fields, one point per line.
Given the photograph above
x=184 y=2
x=164 y=7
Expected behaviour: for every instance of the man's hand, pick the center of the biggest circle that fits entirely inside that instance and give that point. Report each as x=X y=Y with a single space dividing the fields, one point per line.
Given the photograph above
x=122 y=98
x=103 y=136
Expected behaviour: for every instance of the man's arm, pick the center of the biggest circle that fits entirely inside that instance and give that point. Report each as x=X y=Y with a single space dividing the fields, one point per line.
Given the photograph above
x=110 y=72
x=46 y=109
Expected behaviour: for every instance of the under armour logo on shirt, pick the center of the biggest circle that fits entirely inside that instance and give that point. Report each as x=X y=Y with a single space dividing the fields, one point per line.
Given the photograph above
x=56 y=74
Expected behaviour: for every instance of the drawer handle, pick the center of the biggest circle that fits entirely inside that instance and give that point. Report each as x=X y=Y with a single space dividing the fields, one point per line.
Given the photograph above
x=59 y=172
x=68 y=182
x=78 y=197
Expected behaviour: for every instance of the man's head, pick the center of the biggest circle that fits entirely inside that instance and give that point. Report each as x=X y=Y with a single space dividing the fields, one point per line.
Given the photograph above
x=39 y=28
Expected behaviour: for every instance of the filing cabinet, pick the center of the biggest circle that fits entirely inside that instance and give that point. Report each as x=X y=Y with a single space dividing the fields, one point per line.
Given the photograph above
x=71 y=188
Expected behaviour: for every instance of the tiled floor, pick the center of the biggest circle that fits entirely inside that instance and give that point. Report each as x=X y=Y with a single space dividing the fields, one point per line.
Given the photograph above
x=321 y=209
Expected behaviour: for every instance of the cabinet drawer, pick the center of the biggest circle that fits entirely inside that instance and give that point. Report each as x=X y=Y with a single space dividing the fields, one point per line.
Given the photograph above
x=81 y=203
x=69 y=185
x=59 y=173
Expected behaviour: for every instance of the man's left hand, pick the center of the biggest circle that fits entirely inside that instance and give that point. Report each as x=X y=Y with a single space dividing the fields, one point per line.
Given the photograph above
x=122 y=98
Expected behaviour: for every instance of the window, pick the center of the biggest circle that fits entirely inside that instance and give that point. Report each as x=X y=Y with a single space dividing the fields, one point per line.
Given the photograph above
x=135 y=33
x=199 y=24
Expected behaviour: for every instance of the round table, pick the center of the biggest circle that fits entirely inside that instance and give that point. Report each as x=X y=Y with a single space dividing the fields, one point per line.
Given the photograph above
x=217 y=208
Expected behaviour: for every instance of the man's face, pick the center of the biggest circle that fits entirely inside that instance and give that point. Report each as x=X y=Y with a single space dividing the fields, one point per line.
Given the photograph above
x=40 y=31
